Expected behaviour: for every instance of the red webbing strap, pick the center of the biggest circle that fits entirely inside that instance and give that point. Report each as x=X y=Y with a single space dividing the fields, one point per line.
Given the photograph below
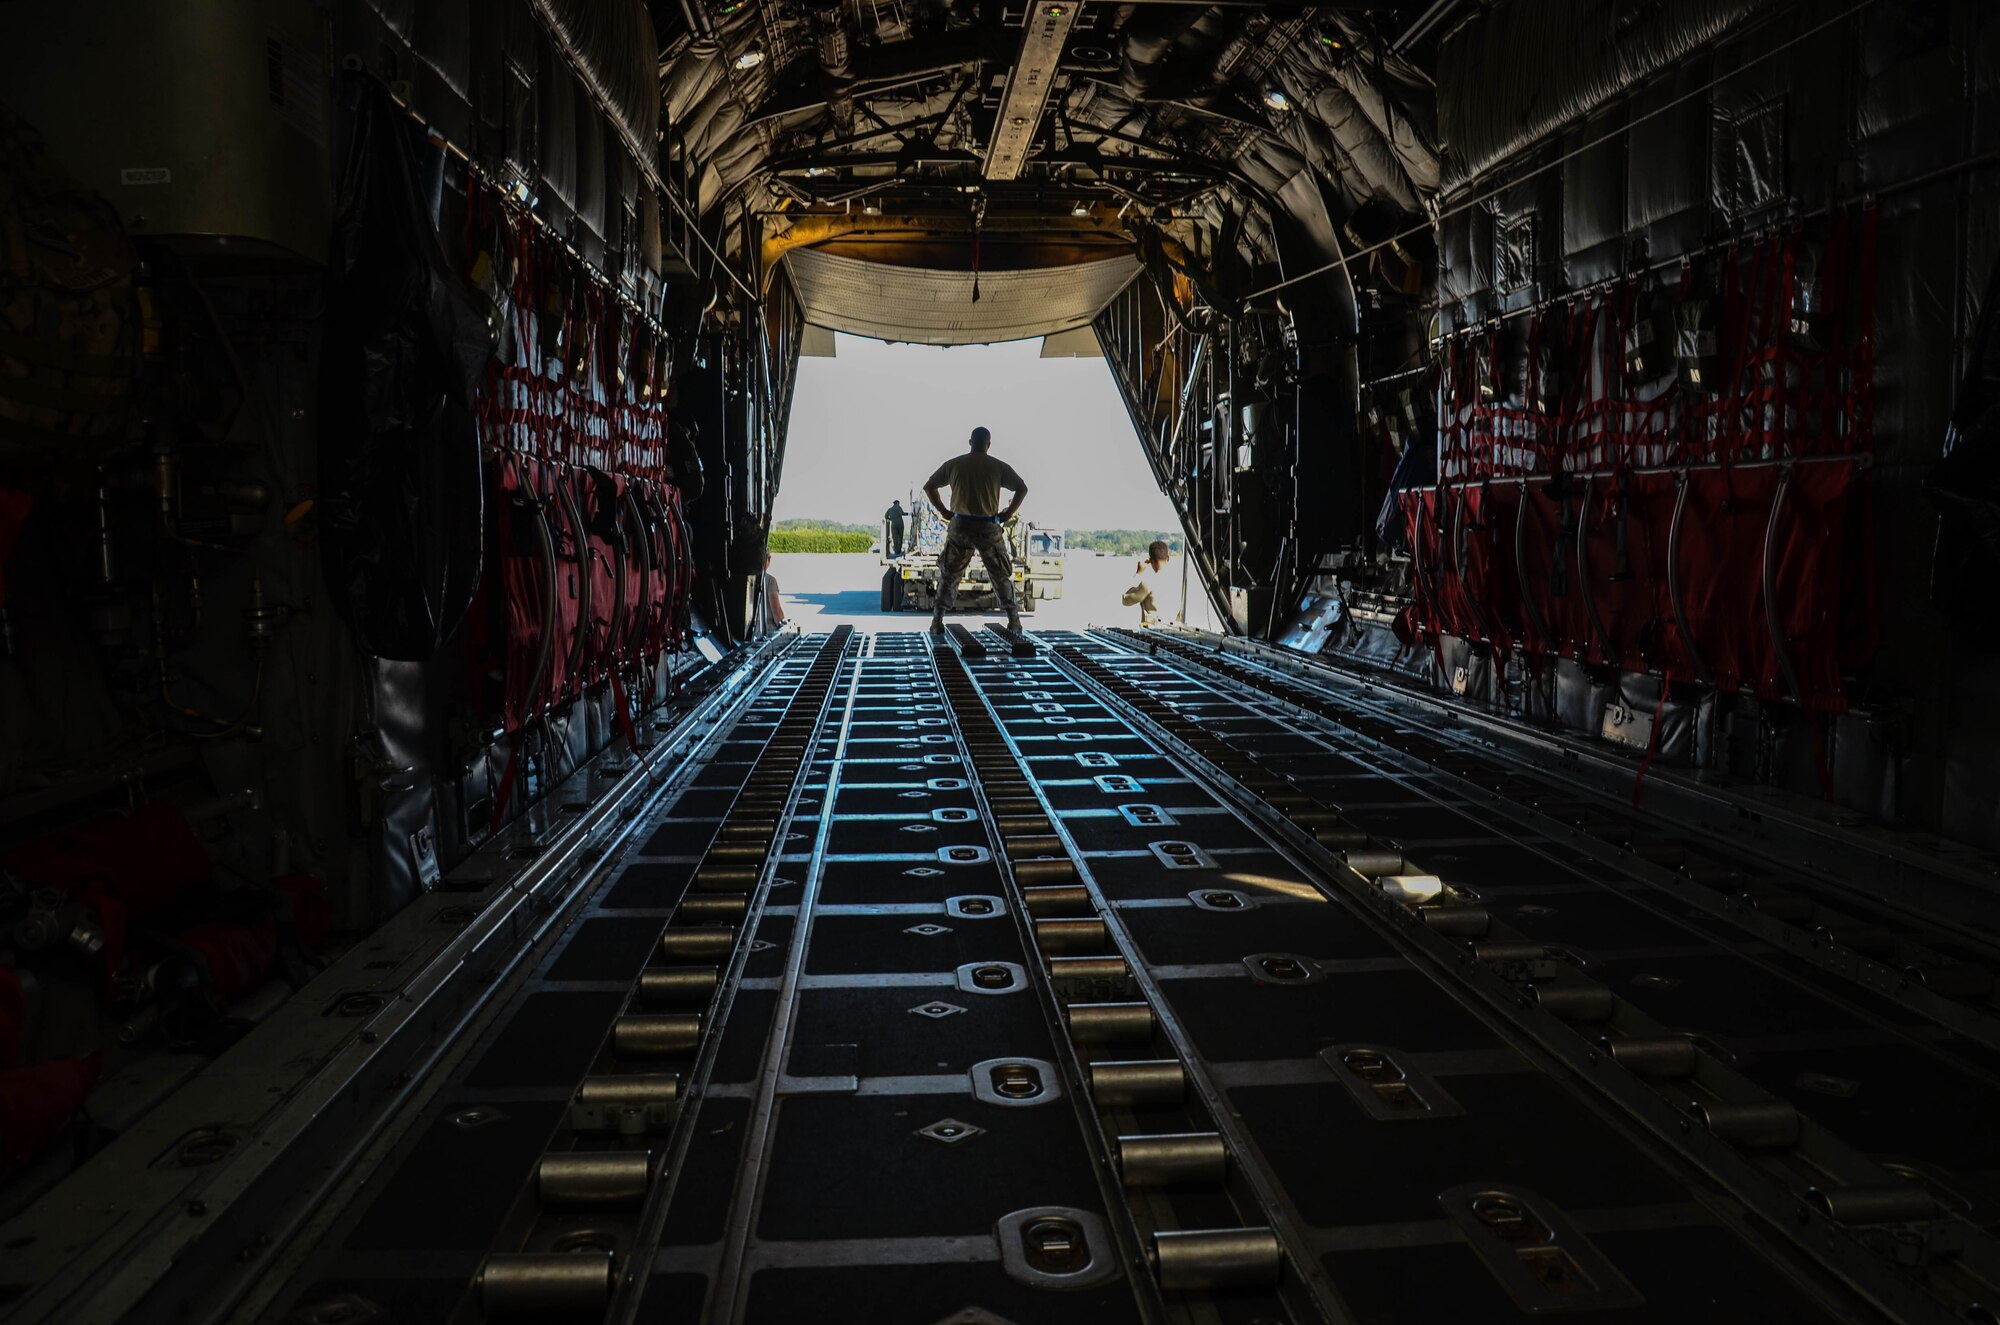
x=1864 y=367
x=1678 y=420
x=1779 y=401
x=1489 y=458
x=1434 y=619
x=1580 y=389
x=639 y=362
x=1753 y=291
x=506 y=791
x=1531 y=392
x=1618 y=381
x=1775 y=285
x=15 y=507
x=611 y=351
x=1452 y=448
x=1652 y=743
x=1819 y=755
x=1833 y=280
x=1729 y=351
x=625 y=722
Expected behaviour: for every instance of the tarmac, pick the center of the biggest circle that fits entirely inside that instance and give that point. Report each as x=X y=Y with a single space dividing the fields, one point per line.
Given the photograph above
x=821 y=590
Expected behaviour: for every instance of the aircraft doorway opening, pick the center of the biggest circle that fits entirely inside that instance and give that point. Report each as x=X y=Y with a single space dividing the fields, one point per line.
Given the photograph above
x=871 y=423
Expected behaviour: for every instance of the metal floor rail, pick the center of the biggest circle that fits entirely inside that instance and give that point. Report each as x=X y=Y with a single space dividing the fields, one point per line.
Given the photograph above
x=1009 y=979
x=1834 y=1111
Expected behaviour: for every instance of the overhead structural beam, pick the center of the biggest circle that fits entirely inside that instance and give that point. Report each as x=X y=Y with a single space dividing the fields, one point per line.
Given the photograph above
x=1028 y=85
x=1426 y=22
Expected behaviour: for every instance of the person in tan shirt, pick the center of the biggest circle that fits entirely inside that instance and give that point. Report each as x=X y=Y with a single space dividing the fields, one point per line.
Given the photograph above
x=978 y=524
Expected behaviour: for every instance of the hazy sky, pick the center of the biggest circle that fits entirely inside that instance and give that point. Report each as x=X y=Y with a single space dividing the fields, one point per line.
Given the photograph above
x=872 y=423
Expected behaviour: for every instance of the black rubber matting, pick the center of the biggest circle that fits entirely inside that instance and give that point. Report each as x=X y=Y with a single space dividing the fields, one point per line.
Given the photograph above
x=683 y=836
x=1238 y=1019
x=924 y=1294
x=603 y=948
x=1127 y=757
x=674 y=1297
x=895 y=1040
x=856 y=837
x=1145 y=876
x=908 y=797
x=1691 y=1274
x=648 y=886
x=1114 y=832
x=855 y=1167
x=708 y=1176
x=411 y=1301
x=1494 y=867
x=549 y=1040
x=854 y=945
x=1342 y=1166
x=740 y=1057
x=771 y=948
x=1074 y=793
x=1588 y=922
x=1722 y=995
x=875 y=882
x=1865 y=1094
x=1413 y=824
x=455 y=1184
x=730 y=767
x=1192 y=934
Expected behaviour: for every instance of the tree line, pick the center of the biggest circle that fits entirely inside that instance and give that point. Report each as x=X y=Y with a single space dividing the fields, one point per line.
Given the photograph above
x=834 y=536
x=1122 y=542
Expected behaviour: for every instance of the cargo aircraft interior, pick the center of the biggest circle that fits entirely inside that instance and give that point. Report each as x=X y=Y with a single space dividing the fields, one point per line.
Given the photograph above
x=434 y=890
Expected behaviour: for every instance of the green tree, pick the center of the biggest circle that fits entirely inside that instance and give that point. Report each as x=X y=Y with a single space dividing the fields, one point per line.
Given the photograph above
x=1121 y=542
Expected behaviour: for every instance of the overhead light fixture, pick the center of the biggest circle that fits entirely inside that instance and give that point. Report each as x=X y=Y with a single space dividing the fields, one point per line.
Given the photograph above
x=1276 y=99
x=1080 y=211
x=818 y=172
x=871 y=208
x=750 y=59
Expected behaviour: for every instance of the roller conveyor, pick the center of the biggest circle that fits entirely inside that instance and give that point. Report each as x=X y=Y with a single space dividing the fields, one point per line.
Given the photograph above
x=1022 y=979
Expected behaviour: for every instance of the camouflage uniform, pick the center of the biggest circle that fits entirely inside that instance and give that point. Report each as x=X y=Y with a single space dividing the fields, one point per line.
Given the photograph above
x=965 y=537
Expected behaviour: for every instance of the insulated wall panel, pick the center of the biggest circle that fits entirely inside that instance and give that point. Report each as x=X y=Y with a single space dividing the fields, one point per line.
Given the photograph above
x=561 y=104
x=1666 y=184
x=521 y=104
x=1519 y=74
x=1917 y=295
x=1466 y=276
x=1912 y=117
x=1594 y=200
x=590 y=180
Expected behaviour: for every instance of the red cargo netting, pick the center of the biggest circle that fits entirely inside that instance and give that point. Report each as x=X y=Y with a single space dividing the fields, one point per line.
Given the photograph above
x=590 y=565
x=1668 y=482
